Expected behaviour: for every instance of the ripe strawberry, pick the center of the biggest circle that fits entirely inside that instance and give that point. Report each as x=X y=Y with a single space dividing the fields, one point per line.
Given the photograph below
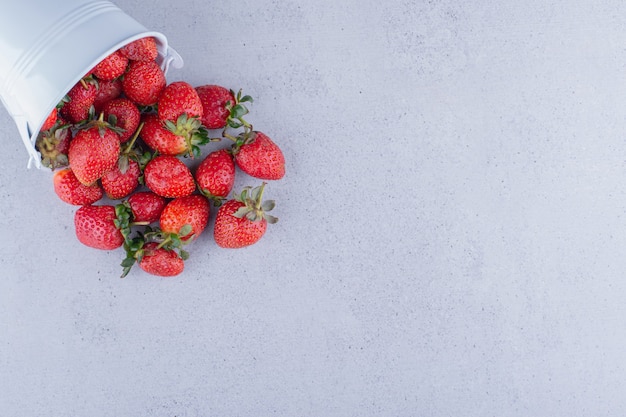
x=169 y=177
x=81 y=98
x=192 y=210
x=146 y=206
x=94 y=151
x=118 y=184
x=216 y=104
x=95 y=227
x=107 y=91
x=215 y=175
x=126 y=116
x=54 y=144
x=72 y=191
x=180 y=109
x=111 y=67
x=143 y=82
x=243 y=220
x=160 y=261
x=144 y=49
x=160 y=139
x=177 y=99
x=258 y=156
x=50 y=120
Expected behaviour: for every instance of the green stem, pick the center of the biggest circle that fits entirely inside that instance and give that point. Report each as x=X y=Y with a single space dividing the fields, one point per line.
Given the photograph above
x=257 y=204
x=133 y=139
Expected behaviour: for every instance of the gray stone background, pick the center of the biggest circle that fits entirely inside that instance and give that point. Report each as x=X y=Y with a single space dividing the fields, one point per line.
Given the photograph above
x=451 y=238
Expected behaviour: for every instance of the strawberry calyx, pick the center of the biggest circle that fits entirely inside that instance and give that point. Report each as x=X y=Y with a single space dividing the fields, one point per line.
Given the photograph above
x=191 y=128
x=130 y=151
x=49 y=142
x=237 y=110
x=215 y=199
x=134 y=247
x=254 y=208
x=98 y=123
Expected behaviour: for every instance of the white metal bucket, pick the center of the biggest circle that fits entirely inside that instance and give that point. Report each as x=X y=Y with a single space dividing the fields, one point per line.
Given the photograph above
x=43 y=59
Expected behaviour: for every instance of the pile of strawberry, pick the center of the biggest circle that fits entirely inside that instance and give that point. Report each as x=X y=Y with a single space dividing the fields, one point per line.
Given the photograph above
x=123 y=133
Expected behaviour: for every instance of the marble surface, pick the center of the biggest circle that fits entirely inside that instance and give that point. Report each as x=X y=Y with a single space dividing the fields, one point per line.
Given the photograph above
x=452 y=230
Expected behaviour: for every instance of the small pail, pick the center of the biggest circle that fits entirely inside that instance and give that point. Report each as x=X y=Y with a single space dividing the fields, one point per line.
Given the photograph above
x=43 y=58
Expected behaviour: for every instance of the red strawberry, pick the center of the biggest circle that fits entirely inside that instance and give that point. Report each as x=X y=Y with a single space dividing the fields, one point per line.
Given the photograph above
x=143 y=82
x=94 y=151
x=81 y=97
x=180 y=109
x=146 y=206
x=72 y=191
x=107 y=91
x=215 y=175
x=242 y=221
x=126 y=114
x=169 y=177
x=215 y=105
x=160 y=261
x=192 y=210
x=118 y=184
x=179 y=98
x=95 y=227
x=160 y=139
x=50 y=120
x=53 y=145
x=144 y=49
x=111 y=67
x=260 y=157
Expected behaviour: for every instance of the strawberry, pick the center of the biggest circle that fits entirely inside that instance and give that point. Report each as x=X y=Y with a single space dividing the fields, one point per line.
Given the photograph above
x=146 y=206
x=94 y=151
x=143 y=82
x=107 y=91
x=160 y=139
x=125 y=116
x=50 y=120
x=161 y=262
x=53 y=145
x=215 y=100
x=118 y=184
x=215 y=175
x=111 y=67
x=72 y=191
x=179 y=98
x=169 y=177
x=143 y=49
x=95 y=227
x=192 y=210
x=243 y=220
x=81 y=97
x=180 y=109
x=258 y=156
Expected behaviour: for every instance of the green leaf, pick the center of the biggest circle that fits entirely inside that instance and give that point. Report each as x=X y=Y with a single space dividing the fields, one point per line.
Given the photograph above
x=185 y=230
x=128 y=262
x=246 y=98
x=270 y=219
x=241 y=212
x=112 y=119
x=176 y=242
x=184 y=255
x=171 y=126
x=268 y=205
x=123 y=163
x=256 y=192
x=234 y=124
x=238 y=111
